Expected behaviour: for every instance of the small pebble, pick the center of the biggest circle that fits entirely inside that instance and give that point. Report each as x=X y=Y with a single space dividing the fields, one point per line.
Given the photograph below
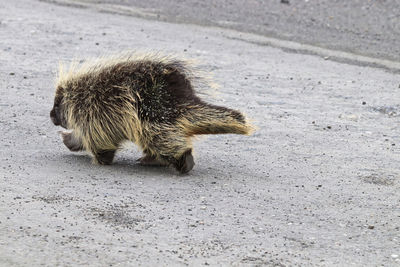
x=364 y=102
x=12 y=73
x=371 y=227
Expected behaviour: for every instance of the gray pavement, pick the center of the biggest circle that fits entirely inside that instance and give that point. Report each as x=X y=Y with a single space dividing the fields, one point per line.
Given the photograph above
x=316 y=185
x=370 y=28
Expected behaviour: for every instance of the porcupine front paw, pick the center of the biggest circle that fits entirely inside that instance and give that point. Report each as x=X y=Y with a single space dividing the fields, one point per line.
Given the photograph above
x=71 y=141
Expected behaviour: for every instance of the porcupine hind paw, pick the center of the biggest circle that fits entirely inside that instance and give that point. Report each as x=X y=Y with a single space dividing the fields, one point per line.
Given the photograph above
x=185 y=163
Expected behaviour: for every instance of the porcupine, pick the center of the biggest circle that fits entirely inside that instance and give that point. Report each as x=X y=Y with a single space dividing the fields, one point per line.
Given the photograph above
x=148 y=100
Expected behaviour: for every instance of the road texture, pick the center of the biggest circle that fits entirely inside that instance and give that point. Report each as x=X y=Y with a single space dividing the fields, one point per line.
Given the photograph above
x=365 y=27
x=316 y=185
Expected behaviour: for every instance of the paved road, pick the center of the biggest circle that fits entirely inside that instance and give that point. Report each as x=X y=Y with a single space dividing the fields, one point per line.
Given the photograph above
x=316 y=185
x=359 y=26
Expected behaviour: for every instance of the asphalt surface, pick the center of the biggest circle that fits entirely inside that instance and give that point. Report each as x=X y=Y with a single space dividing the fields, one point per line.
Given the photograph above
x=316 y=185
x=363 y=27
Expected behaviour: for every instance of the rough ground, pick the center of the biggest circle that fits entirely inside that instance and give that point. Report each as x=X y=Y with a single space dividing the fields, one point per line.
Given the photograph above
x=316 y=185
x=366 y=27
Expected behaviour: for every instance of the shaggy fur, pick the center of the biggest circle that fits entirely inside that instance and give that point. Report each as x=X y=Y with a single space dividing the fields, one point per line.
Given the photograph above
x=148 y=100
